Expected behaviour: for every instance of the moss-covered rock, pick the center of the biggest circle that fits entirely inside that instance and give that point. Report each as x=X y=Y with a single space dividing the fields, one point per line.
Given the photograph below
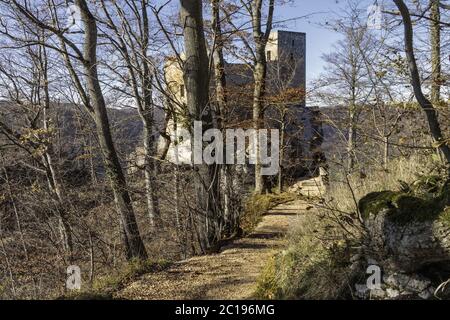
x=375 y=202
x=415 y=206
x=408 y=229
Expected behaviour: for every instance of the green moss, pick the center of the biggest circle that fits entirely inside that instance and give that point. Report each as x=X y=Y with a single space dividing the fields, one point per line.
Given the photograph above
x=421 y=204
x=374 y=202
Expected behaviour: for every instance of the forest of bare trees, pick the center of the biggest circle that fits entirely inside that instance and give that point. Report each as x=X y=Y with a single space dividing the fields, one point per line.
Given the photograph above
x=96 y=99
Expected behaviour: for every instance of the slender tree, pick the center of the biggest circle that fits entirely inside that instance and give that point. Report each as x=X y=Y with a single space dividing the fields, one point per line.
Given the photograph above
x=440 y=142
x=132 y=240
x=29 y=91
x=87 y=84
x=261 y=37
x=435 y=43
x=345 y=81
x=131 y=38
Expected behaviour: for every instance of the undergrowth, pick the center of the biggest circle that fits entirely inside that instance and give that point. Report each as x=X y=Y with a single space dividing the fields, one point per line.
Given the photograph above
x=317 y=261
x=310 y=268
x=104 y=287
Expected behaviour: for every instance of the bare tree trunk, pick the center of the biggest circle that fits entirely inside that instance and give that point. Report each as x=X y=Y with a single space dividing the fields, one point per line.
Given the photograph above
x=219 y=63
x=134 y=50
x=352 y=117
x=351 y=141
x=134 y=247
x=425 y=104
x=229 y=195
x=147 y=116
x=435 y=35
x=91 y=161
x=58 y=197
x=182 y=238
x=150 y=173
x=282 y=147
x=196 y=79
x=258 y=117
x=259 y=74
x=52 y=177
x=386 y=152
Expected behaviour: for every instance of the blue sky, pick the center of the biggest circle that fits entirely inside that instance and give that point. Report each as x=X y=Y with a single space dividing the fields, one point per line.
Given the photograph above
x=319 y=39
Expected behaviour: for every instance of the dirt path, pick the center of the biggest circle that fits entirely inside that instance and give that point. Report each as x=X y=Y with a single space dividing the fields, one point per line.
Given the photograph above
x=231 y=274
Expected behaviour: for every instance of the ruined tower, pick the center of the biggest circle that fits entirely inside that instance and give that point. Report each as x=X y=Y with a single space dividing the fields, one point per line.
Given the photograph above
x=286 y=69
x=286 y=56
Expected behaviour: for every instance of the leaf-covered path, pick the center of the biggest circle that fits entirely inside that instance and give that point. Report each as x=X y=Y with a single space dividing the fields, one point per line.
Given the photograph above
x=231 y=274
